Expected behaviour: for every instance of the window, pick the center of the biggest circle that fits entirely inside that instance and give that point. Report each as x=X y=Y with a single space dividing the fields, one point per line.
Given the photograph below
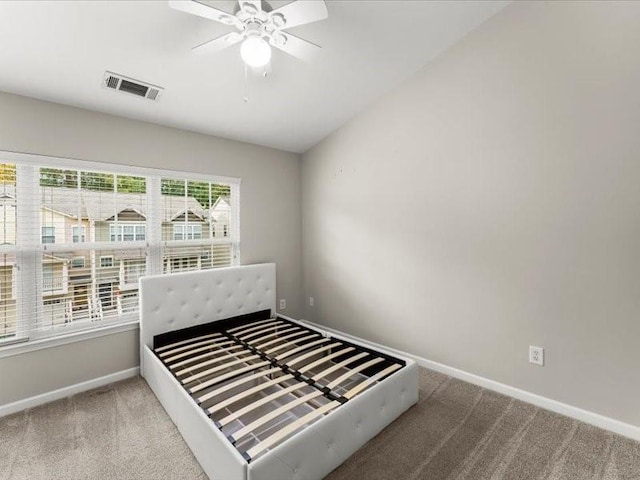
x=78 y=233
x=48 y=234
x=77 y=262
x=225 y=230
x=106 y=261
x=127 y=232
x=121 y=223
x=187 y=232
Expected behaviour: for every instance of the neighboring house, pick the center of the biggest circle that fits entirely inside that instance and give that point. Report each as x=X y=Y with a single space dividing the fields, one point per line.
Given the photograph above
x=220 y=212
x=87 y=283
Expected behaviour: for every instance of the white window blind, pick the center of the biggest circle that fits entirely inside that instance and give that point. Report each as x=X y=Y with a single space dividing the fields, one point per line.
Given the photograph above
x=76 y=237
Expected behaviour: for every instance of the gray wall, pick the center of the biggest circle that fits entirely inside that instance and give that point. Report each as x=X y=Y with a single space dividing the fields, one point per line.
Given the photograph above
x=270 y=221
x=492 y=202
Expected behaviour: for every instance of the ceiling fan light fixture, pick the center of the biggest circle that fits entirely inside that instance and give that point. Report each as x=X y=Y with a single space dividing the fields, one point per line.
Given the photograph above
x=278 y=39
x=255 y=52
x=278 y=20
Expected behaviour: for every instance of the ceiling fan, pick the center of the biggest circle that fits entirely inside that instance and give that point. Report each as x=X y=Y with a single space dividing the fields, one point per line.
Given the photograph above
x=259 y=27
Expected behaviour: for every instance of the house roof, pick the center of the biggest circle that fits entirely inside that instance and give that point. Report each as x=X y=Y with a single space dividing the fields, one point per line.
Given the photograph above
x=101 y=206
x=221 y=207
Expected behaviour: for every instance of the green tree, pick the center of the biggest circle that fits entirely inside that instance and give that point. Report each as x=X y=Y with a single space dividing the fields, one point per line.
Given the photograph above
x=7 y=173
x=54 y=177
x=130 y=184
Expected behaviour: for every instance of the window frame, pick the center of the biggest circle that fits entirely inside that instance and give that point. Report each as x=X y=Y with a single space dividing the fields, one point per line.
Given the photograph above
x=78 y=237
x=117 y=232
x=104 y=257
x=188 y=231
x=82 y=264
x=52 y=235
x=31 y=164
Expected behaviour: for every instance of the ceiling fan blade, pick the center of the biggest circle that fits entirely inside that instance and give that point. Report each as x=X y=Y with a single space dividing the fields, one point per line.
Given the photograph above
x=201 y=10
x=295 y=46
x=245 y=5
x=219 y=43
x=301 y=12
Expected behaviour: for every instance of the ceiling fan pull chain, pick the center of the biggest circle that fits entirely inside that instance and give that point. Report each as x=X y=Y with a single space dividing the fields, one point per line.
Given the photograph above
x=246 y=85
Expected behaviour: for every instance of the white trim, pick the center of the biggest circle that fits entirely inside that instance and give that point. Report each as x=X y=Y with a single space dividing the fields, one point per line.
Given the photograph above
x=81 y=335
x=72 y=163
x=601 y=421
x=65 y=392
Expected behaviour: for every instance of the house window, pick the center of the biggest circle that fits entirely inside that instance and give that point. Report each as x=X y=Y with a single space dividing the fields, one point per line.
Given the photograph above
x=225 y=230
x=78 y=234
x=127 y=232
x=77 y=262
x=187 y=232
x=119 y=224
x=48 y=234
x=106 y=261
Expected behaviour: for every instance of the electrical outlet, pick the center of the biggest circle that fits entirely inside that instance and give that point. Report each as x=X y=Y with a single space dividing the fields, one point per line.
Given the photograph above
x=536 y=355
x=311 y=301
x=283 y=304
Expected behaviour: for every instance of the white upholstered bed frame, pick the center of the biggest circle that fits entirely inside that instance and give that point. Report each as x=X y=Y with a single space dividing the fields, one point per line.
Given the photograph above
x=177 y=301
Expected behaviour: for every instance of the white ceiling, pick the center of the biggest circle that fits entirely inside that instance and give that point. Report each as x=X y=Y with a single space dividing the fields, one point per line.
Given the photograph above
x=59 y=51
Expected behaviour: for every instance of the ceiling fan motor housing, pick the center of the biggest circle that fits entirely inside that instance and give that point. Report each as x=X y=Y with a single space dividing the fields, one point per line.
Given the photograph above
x=254 y=28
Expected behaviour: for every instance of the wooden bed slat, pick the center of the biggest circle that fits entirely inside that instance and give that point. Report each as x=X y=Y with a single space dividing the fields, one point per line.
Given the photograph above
x=353 y=371
x=222 y=378
x=371 y=380
x=260 y=346
x=289 y=429
x=259 y=328
x=245 y=325
x=288 y=344
x=258 y=388
x=203 y=340
x=277 y=332
x=263 y=401
x=204 y=355
x=224 y=366
x=188 y=340
x=278 y=329
x=317 y=351
x=272 y=328
x=211 y=361
x=320 y=361
x=273 y=414
x=204 y=348
x=237 y=383
x=339 y=365
x=288 y=353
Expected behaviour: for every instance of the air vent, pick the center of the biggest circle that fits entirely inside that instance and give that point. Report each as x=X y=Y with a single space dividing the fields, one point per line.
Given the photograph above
x=134 y=87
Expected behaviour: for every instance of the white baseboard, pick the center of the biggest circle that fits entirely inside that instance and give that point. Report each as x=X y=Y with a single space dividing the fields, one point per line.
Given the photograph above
x=65 y=392
x=606 y=423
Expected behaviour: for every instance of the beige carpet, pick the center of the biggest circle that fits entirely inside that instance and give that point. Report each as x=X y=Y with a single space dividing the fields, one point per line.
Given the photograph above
x=456 y=432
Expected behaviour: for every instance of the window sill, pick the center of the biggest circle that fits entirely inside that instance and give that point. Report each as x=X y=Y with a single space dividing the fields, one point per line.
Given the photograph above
x=31 y=346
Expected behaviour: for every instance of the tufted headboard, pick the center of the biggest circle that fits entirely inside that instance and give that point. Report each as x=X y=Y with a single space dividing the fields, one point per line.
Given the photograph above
x=181 y=300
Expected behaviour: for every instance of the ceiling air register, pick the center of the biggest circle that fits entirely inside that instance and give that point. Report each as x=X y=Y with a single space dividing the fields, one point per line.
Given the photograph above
x=121 y=83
